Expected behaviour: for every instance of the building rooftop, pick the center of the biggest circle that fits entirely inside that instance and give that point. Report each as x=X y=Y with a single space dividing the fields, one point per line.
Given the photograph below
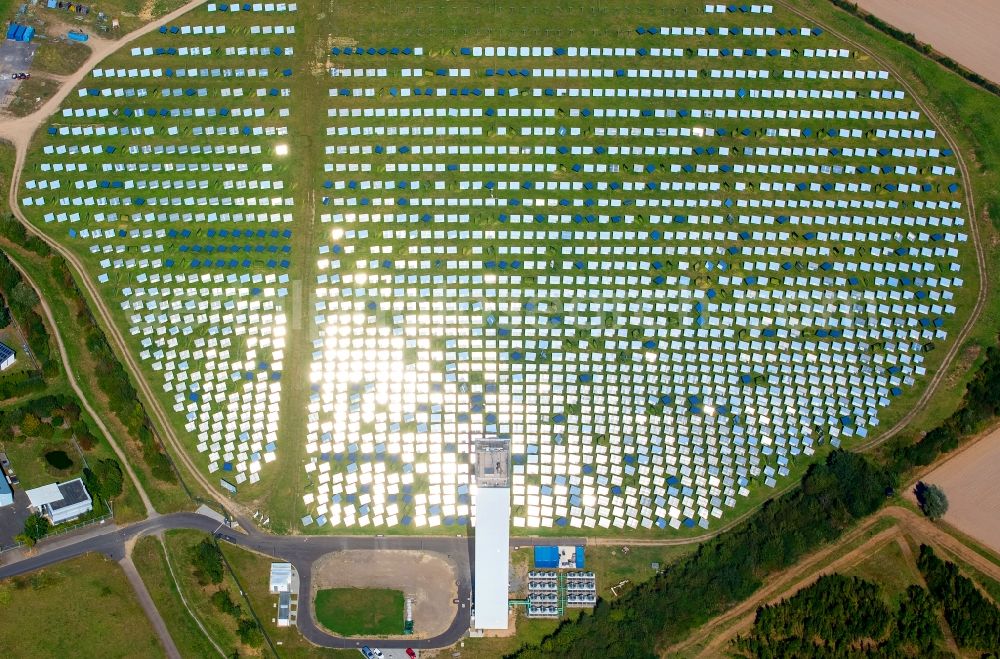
x=58 y=495
x=5 y=351
x=492 y=463
x=492 y=557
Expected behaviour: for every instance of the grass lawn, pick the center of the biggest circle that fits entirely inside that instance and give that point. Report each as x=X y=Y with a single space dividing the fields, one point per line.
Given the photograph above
x=253 y=570
x=889 y=568
x=59 y=56
x=87 y=608
x=612 y=566
x=31 y=94
x=360 y=611
x=151 y=563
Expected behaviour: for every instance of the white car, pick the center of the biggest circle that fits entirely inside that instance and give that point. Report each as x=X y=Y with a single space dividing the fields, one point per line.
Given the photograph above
x=378 y=653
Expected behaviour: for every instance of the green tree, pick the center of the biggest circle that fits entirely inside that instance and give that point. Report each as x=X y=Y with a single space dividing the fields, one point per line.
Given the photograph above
x=207 y=562
x=23 y=297
x=36 y=527
x=932 y=500
x=109 y=474
x=224 y=602
x=25 y=539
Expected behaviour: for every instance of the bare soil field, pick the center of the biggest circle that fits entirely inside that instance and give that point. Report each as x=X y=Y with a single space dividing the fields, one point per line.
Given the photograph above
x=964 y=30
x=969 y=480
x=427 y=577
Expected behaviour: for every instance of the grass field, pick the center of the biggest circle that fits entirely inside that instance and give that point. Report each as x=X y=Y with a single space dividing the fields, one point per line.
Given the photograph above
x=360 y=611
x=360 y=446
x=150 y=561
x=92 y=609
x=889 y=568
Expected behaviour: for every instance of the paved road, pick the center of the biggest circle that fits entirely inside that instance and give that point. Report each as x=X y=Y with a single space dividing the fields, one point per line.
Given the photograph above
x=300 y=551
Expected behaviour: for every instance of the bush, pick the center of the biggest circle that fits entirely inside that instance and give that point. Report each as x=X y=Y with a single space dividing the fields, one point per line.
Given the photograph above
x=106 y=480
x=250 y=632
x=36 y=527
x=224 y=602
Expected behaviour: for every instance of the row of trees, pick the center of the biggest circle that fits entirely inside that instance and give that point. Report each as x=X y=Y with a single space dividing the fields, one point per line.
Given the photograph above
x=980 y=406
x=113 y=380
x=728 y=568
x=840 y=616
x=207 y=565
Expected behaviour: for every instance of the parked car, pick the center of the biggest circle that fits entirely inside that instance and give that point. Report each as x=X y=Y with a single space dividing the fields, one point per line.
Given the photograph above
x=367 y=651
x=410 y=653
x=378 y=653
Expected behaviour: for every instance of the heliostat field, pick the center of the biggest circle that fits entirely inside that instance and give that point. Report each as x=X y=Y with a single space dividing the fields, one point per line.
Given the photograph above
x=667 y=255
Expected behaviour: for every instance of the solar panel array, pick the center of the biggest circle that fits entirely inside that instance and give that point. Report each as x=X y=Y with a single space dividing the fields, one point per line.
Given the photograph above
x=663 y=271
x=162 y=170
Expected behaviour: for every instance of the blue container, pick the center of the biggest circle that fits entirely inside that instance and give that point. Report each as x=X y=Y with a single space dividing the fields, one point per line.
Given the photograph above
x=77 y=36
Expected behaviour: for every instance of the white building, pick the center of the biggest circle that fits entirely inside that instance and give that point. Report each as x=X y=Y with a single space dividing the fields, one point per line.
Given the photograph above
x=281 y=578
x=492 y=558
x=61 y=502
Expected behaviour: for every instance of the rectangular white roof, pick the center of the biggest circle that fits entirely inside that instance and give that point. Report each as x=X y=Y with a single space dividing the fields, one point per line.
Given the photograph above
x=492 y=557
x=46 y=494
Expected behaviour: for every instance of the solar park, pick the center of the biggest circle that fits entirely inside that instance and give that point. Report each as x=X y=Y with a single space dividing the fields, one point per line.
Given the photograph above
x=668 y=254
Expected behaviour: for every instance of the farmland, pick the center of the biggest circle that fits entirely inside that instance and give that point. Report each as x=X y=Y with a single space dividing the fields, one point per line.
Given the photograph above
x=670 y=266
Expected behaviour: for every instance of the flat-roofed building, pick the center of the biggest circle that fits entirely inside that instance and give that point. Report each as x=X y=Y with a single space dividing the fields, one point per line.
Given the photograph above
x=490 y=581
x=61 y=502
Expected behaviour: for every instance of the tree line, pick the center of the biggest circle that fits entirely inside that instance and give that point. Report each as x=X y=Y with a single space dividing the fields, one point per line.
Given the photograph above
x=844 y=617
x=727 y=569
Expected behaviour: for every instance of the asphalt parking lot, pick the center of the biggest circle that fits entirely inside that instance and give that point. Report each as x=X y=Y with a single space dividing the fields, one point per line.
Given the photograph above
x=12 y=517
x=15 y=57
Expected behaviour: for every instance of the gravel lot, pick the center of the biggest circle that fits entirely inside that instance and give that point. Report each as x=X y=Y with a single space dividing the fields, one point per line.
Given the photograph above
x=429 y=578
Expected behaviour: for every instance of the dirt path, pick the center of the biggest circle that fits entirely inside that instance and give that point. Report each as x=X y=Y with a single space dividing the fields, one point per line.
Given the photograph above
x=804 y=572
x=19 y=132
x=739 y=619
x=73 y=382
x=426 y=577
x=964 y=30
x=146 y=601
